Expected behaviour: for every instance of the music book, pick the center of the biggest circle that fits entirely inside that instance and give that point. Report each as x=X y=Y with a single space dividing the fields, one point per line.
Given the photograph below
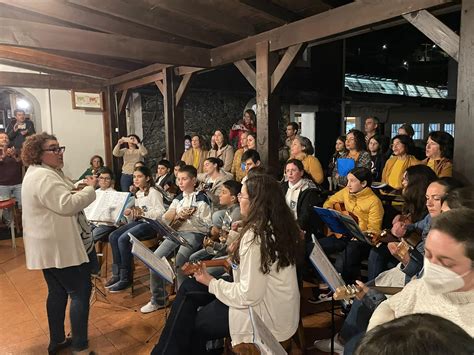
x=166 y=231
x=344 y=165
x=263 y=338
x=378 y=185
x=326 y=269
x=340 y=223
x=159 y=266
x=108 y=207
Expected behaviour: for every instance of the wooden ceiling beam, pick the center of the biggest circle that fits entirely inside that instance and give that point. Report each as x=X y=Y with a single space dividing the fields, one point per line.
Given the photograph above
x=137 y=74
x=271 y=11
x=139 y=82
x=83 y=17
x=208 y=14
x=438 y=32
x=285 y=63
x=186 y=70
x=330 y=23
x=57 y=82
x=47 y=61
x=163 y=21
x=41 y=36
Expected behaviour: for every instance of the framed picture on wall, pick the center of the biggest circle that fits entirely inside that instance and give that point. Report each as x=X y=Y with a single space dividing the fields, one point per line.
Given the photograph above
x=89 y=101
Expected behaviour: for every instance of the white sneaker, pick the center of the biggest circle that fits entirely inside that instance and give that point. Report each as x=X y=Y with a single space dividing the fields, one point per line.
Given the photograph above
x=150 y=307
x=325 y=345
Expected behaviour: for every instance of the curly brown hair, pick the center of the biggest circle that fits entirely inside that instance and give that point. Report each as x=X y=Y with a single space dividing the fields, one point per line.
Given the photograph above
x=33 y=148
x=272 y=222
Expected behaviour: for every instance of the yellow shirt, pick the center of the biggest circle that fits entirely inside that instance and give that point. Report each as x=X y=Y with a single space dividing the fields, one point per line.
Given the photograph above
x=431 y=164
x=395 y=177
x=196 y=155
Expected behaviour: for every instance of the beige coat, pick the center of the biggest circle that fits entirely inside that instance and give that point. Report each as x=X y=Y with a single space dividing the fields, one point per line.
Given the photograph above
x=273 y=296
x=226 y=154
x=188 y=158
x=51 y=232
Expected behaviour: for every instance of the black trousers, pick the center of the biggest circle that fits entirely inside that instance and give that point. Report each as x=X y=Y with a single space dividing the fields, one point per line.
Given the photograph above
x=187 y=330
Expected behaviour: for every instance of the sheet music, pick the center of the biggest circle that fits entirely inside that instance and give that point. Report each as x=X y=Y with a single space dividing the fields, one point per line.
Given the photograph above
x=325 y=268
x=263 y=338
x=160 y=266
x=163 y=229
x=107 y=207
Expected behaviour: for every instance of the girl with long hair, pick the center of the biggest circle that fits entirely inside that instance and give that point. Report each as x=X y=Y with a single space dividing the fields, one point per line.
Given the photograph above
x=264 y=279
x=148 y=203
x=439 y=153
x=222 y=149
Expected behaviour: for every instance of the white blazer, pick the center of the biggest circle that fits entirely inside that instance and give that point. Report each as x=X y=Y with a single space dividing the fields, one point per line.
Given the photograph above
x=51 y=232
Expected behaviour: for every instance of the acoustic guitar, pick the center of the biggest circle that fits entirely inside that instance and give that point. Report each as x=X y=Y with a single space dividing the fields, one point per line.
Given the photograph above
x=349 y=291
x=338 y=206
x=189 y=268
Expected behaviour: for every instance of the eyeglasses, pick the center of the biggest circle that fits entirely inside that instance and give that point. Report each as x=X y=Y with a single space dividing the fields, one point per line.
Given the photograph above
x=240 y=197
x=104 y=178
x=55 y=150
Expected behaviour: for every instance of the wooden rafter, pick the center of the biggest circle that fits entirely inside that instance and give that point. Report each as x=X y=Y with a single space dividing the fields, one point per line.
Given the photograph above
x=47 y=61
x=123 y=100
x=83 y=17
x=160 y=86
x=271 y=11
x=286 y=61
x=137 y=13
x=321 y=26
x=186 y=70
x=248 y=71
x=53 y=81
x=41 y=36
x=438 y=32
x=207 y=13
x=139 y=82
x=137 y=74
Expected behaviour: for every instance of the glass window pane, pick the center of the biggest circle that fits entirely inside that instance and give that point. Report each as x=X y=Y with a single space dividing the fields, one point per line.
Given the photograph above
x=449 y=128
x=434 y=127
x=418 y=128
x=394 y=130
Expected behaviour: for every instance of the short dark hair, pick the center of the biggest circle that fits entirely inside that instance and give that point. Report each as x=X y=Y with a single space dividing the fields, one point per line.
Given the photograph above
x=188 y=137
x=216 y=161
x=449 y=183
x=459 y=224
x=445 y=141
x=136 y=137
x=180 y=163
x=18 y=110
x=375 y=118
x=362 y=174
x=233 y=186
x=33 y=148
x=407 y=141
x=408 y=128
x=295 y=125
x=190 y=170
x=250 y=154
x=296 y=162
x=106 y=170
x=359 y=138
x=415 y=334
x=166 y=163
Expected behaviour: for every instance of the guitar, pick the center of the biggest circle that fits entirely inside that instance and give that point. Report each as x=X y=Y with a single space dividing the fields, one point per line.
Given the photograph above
x=189 y=268
x=338 y=206
x=349 y=291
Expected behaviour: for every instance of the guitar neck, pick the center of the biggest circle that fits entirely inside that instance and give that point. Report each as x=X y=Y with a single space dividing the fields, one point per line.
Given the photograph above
x=215 y=262
x=386 y=290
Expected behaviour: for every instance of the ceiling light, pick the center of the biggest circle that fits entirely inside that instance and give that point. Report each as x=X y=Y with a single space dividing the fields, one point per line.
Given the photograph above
x=22 y=104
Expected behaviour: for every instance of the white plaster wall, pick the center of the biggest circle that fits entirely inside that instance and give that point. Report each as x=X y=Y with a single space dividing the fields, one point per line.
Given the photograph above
x=80 y=131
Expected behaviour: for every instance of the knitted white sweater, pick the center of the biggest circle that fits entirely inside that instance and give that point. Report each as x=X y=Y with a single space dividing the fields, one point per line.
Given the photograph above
x=458 y=307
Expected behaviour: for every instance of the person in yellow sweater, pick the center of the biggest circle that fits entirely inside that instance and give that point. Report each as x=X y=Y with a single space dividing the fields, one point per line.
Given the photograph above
x=358 y=199
x=238 y=170
x=439 y=153
x=302 y=149
x=196 y=155
x=402 y=159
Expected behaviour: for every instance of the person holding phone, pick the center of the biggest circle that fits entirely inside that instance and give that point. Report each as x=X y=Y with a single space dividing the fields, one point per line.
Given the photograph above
x=133 y=153
x=20 y=128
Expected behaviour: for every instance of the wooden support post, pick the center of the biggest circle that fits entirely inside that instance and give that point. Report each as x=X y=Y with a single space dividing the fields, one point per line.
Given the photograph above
x=267 y=107
x=464 y=129
x=123 y=100
x=106 y=124
x=174 y=117
x=160 y=86
x=438 y=32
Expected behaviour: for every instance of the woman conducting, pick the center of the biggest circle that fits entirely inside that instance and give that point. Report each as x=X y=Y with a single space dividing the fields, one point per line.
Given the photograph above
x=57 y=239
x=264 y=279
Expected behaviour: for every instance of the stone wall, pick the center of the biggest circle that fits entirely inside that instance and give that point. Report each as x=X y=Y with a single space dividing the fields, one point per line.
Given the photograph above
x=204 y=112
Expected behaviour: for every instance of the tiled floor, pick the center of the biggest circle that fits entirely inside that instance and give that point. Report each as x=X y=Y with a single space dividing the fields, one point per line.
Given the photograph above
x=113 y=329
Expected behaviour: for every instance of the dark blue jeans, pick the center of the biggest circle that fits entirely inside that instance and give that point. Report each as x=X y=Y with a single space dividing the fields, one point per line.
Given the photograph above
x=380 y=260
x=74 y=282
x=120 y=242
x=101 y=232
x=187 y=330
x=355 y=326
x=126 y=180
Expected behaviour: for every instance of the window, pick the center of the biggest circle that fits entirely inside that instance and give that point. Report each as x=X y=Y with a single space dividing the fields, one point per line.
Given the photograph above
x=394 y=130
x=350 y=123
x=449 y=128
x=434 y=127
x=418 y=128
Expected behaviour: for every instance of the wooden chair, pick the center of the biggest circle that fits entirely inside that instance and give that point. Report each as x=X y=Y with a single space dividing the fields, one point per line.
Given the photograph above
x=11 y=205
